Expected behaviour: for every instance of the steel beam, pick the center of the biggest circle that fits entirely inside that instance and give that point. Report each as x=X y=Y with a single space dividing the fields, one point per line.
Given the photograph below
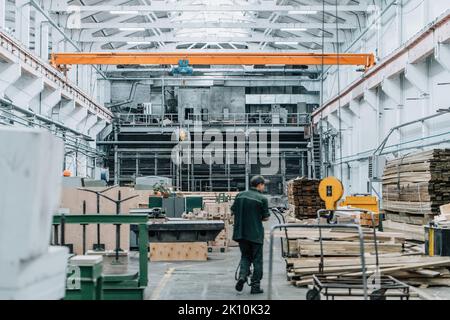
x=144 y=9
x=217 y=58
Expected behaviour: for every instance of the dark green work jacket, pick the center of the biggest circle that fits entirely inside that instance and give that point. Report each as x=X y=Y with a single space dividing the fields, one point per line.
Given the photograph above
x=249 y=208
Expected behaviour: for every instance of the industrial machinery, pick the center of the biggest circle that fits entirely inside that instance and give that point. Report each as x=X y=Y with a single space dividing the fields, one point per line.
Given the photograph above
x=437 y=240
x=331 y=191
x=167 y=228
x=183 y=68
x=181 y=230
x=86 y=276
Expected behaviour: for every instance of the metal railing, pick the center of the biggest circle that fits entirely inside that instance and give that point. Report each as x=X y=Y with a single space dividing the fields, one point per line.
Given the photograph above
x=211 y=119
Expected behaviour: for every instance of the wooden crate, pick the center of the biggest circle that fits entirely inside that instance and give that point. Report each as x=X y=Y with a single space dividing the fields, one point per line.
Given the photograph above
x=178 y=251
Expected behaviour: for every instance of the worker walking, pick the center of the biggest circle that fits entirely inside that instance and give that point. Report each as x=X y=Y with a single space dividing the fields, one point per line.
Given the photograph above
x=250 y=209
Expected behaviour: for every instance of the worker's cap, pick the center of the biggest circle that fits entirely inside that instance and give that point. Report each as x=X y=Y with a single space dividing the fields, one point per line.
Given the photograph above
x=256 y=180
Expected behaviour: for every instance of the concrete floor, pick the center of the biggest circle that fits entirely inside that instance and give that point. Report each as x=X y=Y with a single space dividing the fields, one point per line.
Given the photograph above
x=214 y=279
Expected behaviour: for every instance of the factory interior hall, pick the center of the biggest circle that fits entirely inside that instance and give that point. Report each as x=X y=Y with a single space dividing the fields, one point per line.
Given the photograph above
x=212 y=150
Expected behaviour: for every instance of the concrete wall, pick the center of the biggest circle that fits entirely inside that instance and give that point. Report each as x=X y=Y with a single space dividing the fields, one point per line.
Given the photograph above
x=409 y=88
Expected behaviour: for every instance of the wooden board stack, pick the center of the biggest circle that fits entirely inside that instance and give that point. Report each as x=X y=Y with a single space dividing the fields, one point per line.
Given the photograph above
x=415 y=186
x=208 y=197
x=398 y=258
x=303 y=197
x=216 y=211
x=443 y=220
x=220 y=211
x=415 y=270
x=344 y=243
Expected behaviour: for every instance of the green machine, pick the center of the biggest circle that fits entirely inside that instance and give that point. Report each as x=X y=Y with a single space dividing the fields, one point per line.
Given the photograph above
x=155 y=202
x=192 y=202
x=86 y=279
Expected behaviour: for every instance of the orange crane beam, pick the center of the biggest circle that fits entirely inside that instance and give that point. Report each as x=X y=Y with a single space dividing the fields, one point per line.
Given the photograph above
x=63 y=60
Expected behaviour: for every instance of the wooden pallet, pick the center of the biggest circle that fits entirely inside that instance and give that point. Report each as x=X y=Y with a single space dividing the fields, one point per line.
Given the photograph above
x=178 y=251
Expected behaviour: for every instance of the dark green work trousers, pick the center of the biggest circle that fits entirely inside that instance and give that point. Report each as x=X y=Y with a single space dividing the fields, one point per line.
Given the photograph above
x=251 y=253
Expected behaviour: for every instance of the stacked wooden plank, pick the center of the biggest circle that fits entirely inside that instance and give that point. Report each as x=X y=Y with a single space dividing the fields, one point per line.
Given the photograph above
x=342 y=243
x=209 y=197
x=443 y=220
x=416 y=185
x=220 y=211
x=411 y=269
x=215 y=211
x=303 y=197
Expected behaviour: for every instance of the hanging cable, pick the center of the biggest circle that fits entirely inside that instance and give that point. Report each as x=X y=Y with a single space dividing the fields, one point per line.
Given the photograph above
x=322 y=89
x=341 y=169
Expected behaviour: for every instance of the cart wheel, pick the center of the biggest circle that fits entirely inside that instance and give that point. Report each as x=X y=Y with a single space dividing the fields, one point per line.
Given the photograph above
x=313 y=294
x=378 y=295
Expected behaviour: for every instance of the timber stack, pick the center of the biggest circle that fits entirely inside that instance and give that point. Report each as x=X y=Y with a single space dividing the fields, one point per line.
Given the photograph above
x=416 y=185
x=216 y=211
x=303 y=197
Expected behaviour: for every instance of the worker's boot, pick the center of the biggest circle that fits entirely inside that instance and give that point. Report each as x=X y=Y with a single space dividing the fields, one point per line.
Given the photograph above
x=256 y=289
x=240 y=285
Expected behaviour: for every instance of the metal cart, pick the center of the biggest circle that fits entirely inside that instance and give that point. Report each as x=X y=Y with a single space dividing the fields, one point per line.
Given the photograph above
x=332 y=286
x=318 y=226
x=349 y=286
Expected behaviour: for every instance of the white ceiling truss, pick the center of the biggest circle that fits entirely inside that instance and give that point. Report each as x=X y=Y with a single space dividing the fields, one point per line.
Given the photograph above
x=239 y=25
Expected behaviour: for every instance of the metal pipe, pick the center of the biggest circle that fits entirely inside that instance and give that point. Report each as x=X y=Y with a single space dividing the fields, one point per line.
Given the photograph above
x=380 y=148
x=130 y=97
x=45 y=119
x=177 y=142
x=403 y=149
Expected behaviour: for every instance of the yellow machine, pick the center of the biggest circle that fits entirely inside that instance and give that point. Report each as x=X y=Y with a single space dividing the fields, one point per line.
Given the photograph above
x=367 y=202
x=361 y=201
x=331 y=191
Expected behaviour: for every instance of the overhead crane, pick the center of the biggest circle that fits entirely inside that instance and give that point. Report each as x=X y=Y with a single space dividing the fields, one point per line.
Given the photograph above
x=63 y=60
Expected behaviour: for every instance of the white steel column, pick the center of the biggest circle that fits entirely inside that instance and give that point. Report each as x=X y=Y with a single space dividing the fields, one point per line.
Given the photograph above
x=23 y=22
x=41 y=36
x=2 y=14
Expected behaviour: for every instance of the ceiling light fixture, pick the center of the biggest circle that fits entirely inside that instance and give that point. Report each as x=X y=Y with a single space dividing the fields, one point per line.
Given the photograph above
x=138 y=42
x=302 y=12
x=132 y=29
x=293 y=29
x=286 y=42
x=123 y=12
